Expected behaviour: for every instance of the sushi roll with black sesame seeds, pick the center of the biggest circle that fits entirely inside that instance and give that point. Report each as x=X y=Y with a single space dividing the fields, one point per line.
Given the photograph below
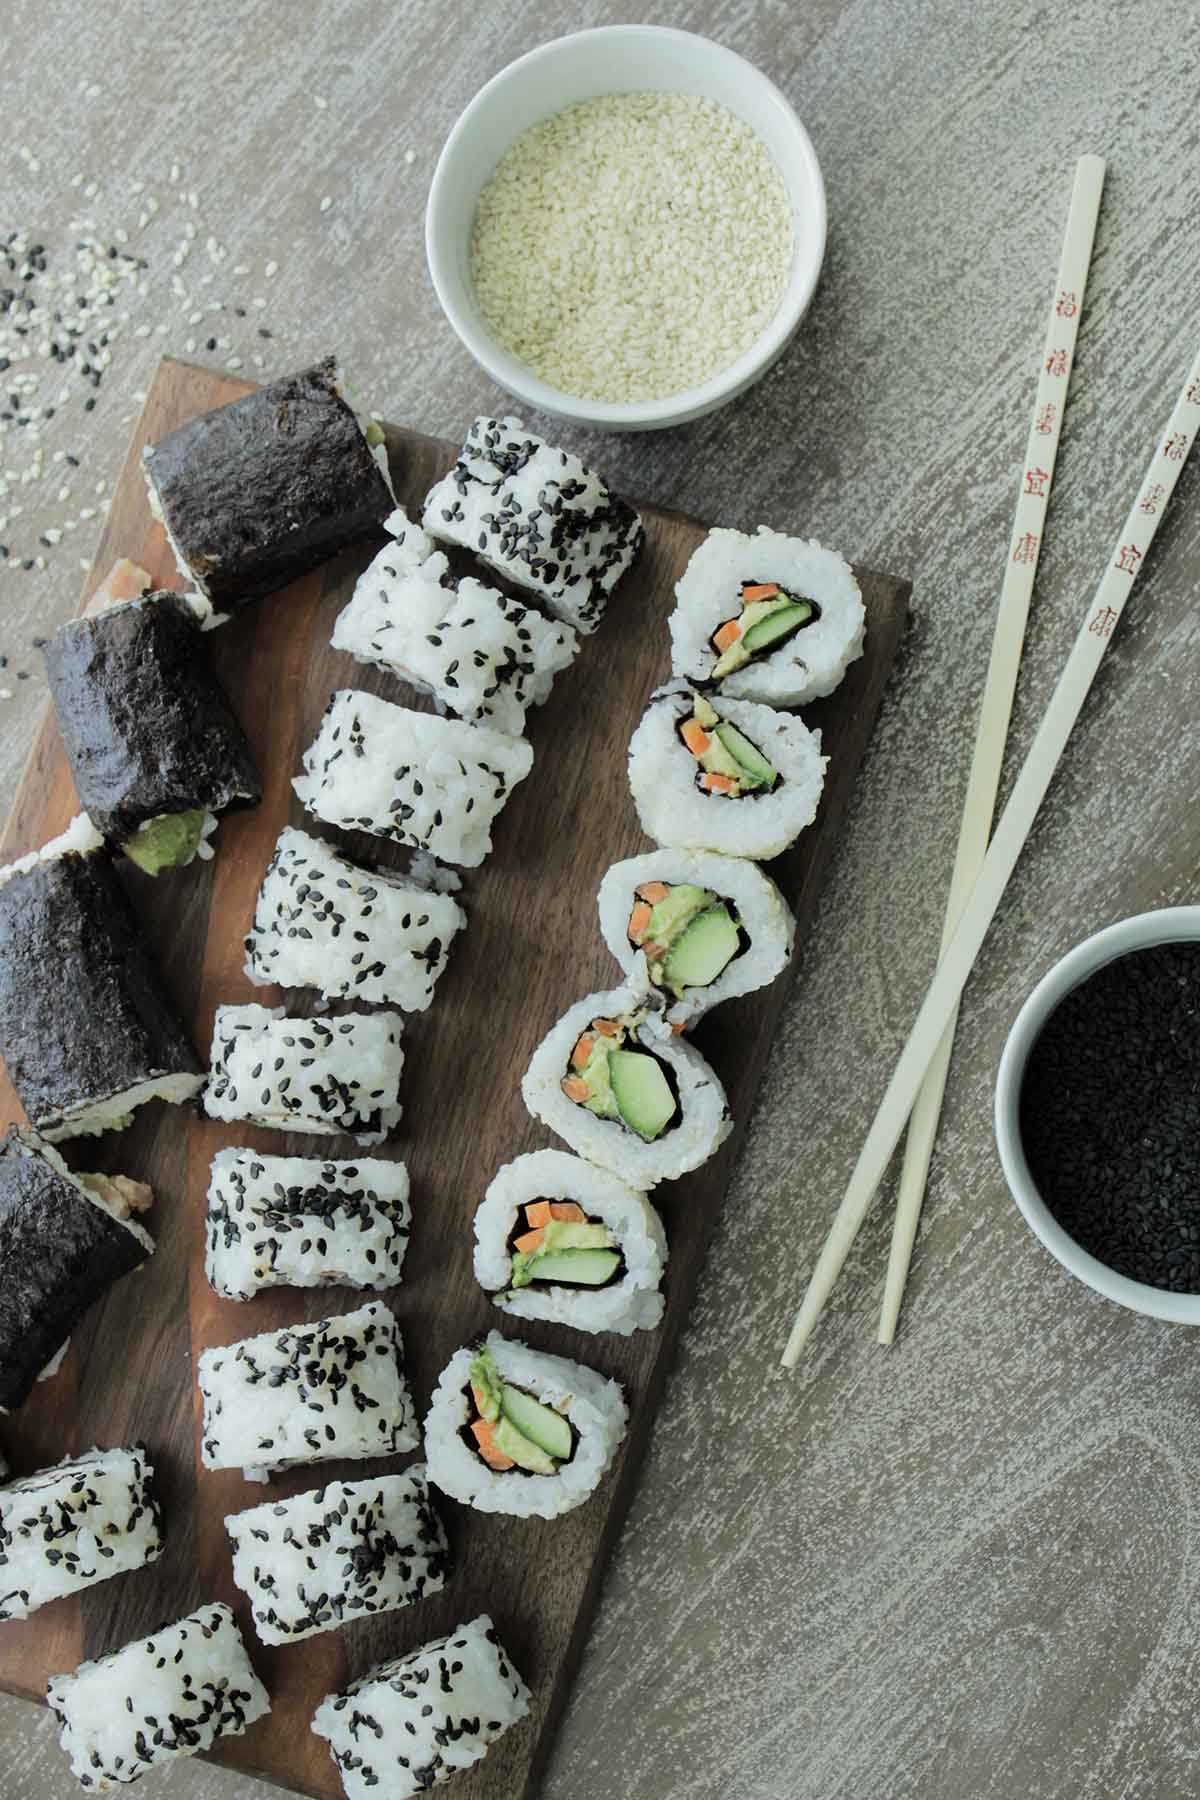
x=323 y=922
x=162 y=1697
x=317 y=1075
x=318 y=1392
x=435 y=784
x=256 y=493
x=154 y=748
x=66 y=1528
x=412 y=1723
x=537 y=515
x=86 y=1030
x=289 y=1221
x=338 y=1553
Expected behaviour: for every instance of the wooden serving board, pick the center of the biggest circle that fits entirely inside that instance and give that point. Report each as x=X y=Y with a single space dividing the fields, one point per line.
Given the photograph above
x=531 y=948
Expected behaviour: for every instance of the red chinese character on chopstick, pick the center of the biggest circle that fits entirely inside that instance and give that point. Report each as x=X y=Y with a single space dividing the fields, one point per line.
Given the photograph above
x=1066 y=305
x=1045 y=419
x=1025 y=548
x=1056 y=362
x=1104 y=621
x=1175 y=448
x=1128 y=558
x=1035 y=482
x=1193 y=393
x=1150 y=499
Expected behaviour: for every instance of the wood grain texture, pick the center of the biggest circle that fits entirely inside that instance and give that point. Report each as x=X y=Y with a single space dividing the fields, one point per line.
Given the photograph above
x=530 y=949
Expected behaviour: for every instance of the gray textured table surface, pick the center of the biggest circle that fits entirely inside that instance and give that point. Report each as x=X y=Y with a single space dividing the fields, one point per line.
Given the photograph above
x=966 y=1568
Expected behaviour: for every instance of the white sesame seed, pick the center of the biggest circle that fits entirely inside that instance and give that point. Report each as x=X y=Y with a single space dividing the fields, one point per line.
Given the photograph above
x=326 y=203
x=320 y=102
x=271 y=270
x=410 y=157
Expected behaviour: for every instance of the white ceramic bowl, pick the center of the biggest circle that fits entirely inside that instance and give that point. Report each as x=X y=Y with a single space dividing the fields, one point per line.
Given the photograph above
x=1169 y=925
x=616 y=59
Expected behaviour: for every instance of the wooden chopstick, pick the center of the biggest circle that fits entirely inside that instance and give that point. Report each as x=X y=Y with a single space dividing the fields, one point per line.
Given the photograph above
x=995 y=709
x=1095 y=635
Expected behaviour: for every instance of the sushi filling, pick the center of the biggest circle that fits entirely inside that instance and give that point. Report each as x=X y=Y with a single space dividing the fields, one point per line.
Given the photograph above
x=615 y=1081
x=512 y=1430
x=729 y=763
x=689 y=934
x=373 y=433
x=558 y=1245
x=171 y=841
x=769 y=617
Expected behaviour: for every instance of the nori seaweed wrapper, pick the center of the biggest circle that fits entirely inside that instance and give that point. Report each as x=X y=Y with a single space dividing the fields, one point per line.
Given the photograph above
x=256 y=493
x=59 y=1252
x=146 y=726
x=82 y=1015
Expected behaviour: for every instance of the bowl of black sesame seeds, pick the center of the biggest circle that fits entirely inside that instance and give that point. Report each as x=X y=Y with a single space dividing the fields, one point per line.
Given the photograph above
x=1098 y=1112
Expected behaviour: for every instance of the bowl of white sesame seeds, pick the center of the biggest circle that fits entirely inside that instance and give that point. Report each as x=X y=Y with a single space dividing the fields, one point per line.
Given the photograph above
x=626 y=226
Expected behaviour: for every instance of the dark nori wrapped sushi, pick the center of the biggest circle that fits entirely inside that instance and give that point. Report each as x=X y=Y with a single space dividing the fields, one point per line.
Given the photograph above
x=256 y=493
x=152 y=743
x=62 y=1244
x=86 y=1031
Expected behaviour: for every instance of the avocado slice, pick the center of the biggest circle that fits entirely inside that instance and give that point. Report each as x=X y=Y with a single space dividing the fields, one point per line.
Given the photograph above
x=488 y=1387
x=544 y=1427
x=704 y=714
x=750 y=760
x=566 y=1234
x=670 y=915
x=582 y=1268
x=595 y=1078
x=527 y=1455
x=771 y=626
x=701 y=951
x=166 y=842
x=640 y=1089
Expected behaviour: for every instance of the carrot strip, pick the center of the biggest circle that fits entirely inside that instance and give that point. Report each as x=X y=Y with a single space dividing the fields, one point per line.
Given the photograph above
x=529 y=1241
x=652 y=952
x=695 y=737
x=581 y=1054
x=639 y=918
x=759 y=590
x=481 y=1431
x=607 y=1027
x=575 y=1088
x=540 y=1212
x=653 y=891
x=729 y=633
x=717 y=784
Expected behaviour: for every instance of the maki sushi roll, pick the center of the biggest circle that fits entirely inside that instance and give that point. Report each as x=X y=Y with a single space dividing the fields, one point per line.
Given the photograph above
x=320 y=1076
x=154 y=749
x=64 y=1240
x=513 y=1430
x=556 y=1238
x=710 y=927
x=169 y=1695
x=766 y=617
x=412 y=1723
x=482 y=655
x=86 y=1031
x=255 y=494
x=323 y=922
x=723 y=775
x=305 y=1394
x=337 y=1553
x=69 y=1527
x=625 y=1091
x=435 y=784
x=538 y=515
x=285 y=1221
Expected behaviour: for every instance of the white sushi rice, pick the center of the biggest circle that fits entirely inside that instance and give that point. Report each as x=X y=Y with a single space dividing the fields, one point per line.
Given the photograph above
x=763 y=913
x=320 y=1076
x=483 y=655
x=593 y=1405
x=307 y=1393
x=436 y=784
x=161 y=1697
x=79 y=839
x=676 y=811
x=70 y=1526
x=293 y=1221
x=340 y=1552
x=630 y=1303
x=323 y=922
x=410 y=1724
x=538 y=515
x=704 y=1120
x=807 y=665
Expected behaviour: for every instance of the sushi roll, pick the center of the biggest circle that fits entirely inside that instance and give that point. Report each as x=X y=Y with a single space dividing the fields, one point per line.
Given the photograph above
x=86 y=1031
x=306 y=1393
x=624 y=1090
x=411 y=1723
x=724 y=775
x=513 y=1430
x=435 y=784
x=255 y=494
x=337 y=1553
x=537 y=515
x=320 y=1076
x=169 y=1695
x=64 y=1240
x=285 y=1221
x=556 y=1238
x=766 y=617
x=710 y=927
x=323 y=922
x=69 y=1527
x=482 y=655
x=154 y=749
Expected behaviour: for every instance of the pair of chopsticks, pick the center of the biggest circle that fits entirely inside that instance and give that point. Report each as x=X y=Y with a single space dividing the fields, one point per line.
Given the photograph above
x=982 y=871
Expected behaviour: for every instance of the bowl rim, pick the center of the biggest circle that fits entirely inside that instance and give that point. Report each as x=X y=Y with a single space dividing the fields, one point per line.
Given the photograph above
x=1141 y=931
x=686 y=403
